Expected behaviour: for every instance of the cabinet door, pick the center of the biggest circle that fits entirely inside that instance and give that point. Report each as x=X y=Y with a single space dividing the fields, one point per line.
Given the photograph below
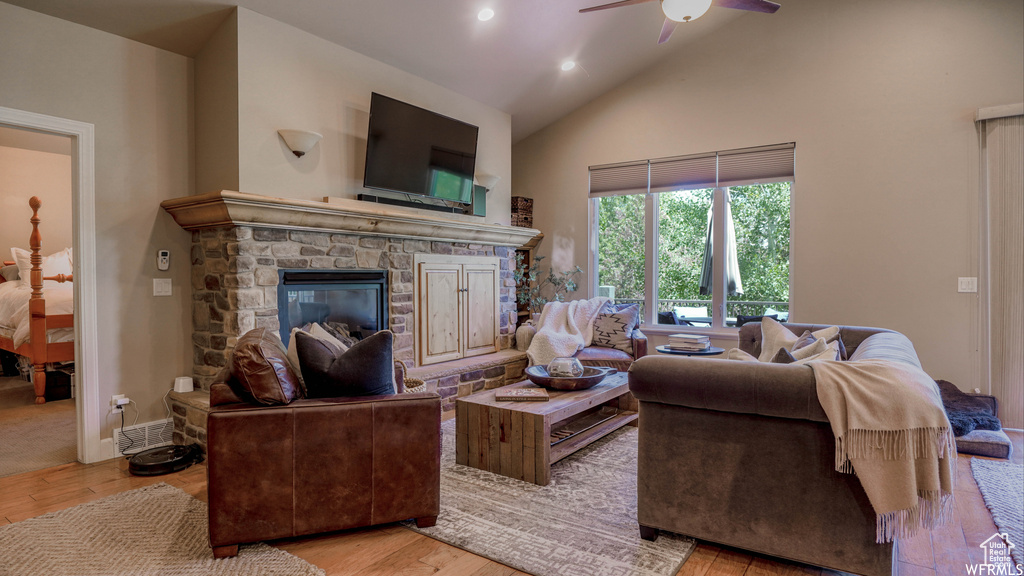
x=481 y=308
x=439 y=318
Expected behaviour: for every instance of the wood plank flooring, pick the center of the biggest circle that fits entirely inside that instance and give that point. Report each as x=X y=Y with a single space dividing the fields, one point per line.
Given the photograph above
x=392 y=549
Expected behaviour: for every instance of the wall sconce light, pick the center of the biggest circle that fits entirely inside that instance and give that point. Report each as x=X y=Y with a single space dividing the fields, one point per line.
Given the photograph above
x=488 y=181
x=300 y=141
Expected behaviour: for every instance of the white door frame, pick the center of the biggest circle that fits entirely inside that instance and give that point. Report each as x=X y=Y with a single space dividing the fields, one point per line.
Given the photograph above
x=83 y=202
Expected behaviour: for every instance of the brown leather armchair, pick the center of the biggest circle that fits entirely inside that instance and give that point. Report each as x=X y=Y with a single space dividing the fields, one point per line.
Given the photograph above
x=614 y=358
x=319 y=465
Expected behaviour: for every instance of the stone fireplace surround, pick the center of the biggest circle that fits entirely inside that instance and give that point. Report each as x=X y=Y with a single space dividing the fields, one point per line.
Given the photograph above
x=240 y=241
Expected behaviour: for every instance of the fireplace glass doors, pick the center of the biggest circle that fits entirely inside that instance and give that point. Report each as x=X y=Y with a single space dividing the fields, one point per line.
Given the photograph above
x=353 y=302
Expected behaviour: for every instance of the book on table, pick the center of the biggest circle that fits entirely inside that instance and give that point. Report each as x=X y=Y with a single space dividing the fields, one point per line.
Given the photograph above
x=522 y=395
x=689 y=342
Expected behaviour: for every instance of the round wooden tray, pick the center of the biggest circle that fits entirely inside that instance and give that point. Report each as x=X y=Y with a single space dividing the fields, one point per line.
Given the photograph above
x=591 y=377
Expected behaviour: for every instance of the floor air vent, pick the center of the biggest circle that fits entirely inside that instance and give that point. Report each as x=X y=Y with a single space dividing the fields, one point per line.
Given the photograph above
x=133 y=439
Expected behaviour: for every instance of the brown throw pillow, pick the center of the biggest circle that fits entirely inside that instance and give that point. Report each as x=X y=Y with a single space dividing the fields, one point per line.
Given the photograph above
x=260 y=371
x=365 y=369
x=783 y=357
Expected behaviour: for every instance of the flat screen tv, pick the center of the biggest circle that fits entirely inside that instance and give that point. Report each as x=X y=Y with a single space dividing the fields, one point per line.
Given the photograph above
x=416 y=151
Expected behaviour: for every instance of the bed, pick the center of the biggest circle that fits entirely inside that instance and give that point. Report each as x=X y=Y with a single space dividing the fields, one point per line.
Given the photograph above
x=25 y=327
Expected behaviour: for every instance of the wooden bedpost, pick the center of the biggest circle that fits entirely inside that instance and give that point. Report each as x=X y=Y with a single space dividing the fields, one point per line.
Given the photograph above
x=37 y=307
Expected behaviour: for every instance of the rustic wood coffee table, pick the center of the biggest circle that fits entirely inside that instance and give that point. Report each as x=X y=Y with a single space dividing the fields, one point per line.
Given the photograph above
x=523 y=439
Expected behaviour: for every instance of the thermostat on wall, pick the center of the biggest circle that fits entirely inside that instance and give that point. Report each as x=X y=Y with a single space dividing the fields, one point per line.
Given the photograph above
x=163 y=259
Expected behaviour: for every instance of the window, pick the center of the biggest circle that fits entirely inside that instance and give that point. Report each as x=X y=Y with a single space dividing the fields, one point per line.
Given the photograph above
x=699 y=240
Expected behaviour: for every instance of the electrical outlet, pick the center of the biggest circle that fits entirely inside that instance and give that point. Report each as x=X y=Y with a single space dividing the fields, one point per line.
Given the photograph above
x=117 y=402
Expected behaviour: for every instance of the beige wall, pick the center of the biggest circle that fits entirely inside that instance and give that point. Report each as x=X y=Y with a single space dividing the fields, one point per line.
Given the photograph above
x=288 y=78
x=140 y=100
x=216 y=79
x=879 y=97
x=26 y=173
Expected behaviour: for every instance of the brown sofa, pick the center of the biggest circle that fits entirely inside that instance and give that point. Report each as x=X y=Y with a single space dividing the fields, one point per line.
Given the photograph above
x=741 y=454
x=318 y=465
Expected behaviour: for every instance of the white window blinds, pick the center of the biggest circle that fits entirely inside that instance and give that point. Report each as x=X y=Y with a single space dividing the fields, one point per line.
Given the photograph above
x=708 y=170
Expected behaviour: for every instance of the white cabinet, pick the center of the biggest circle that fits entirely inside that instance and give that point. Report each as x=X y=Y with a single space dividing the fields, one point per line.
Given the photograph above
x=456 y=307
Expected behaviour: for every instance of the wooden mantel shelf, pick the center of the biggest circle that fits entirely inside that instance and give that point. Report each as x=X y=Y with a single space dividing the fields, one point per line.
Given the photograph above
x=228 y=208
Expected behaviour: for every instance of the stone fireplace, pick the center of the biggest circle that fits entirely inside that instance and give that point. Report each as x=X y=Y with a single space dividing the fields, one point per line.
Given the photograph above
x=243 y=243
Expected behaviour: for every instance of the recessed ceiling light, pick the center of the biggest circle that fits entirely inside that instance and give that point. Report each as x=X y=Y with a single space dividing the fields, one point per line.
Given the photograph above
x=568 y=65
x=485 y=14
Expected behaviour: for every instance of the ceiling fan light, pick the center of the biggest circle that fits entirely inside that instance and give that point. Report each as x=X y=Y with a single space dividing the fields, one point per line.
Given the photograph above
x=485 y=14
x=684 y=10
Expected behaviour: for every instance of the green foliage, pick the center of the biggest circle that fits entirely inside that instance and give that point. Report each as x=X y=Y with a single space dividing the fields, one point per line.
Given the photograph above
x=621 y=245
x=533 y=287
x=762 y=224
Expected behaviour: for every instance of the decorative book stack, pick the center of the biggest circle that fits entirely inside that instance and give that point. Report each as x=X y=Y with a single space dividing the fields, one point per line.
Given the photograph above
x=522 y=395
x=689 y=342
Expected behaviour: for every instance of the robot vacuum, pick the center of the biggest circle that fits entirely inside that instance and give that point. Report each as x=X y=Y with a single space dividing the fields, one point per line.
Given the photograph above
x=164 y=460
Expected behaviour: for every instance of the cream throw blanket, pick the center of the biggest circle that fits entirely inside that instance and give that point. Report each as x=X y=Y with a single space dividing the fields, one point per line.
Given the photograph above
x=564 y=329
x=891 y=429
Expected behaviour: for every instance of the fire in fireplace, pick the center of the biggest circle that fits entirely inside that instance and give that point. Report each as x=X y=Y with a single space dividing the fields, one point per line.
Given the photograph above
x=353 y=301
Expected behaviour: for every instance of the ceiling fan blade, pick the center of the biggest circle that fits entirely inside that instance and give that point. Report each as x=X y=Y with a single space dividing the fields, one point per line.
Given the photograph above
x=666 y=30
x=765 y=6
x=615 y=5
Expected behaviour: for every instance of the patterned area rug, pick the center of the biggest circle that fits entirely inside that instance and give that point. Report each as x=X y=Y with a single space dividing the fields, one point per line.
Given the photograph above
x=1002 y=487
x=33 y=437
x=156 y=530
x=583 y=523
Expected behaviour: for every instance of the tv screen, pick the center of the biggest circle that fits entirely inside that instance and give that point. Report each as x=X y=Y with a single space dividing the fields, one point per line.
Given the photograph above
x=416 y=151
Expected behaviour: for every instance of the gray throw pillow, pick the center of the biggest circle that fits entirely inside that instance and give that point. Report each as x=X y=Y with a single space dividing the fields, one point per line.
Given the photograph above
x=615 y=329
x=365 y=369
x=10 y=273
x=783 y=357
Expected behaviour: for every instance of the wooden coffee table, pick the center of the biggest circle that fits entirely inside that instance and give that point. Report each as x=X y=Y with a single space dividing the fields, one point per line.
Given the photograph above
x=523 y=439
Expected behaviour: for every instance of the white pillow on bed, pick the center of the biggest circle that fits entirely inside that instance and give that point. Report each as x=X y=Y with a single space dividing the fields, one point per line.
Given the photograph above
x=56 y=263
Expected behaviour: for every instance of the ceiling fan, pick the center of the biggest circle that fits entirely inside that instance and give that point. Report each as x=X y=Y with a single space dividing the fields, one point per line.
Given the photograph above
x=677 y=11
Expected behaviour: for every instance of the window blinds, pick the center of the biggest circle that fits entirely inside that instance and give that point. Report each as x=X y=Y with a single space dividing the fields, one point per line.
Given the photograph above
x=709 y=170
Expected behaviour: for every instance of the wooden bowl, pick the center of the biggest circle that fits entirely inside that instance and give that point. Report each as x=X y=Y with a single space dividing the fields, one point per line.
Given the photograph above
x=591 y=377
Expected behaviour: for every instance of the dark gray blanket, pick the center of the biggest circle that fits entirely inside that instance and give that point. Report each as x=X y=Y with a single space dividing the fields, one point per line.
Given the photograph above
x=965 y=412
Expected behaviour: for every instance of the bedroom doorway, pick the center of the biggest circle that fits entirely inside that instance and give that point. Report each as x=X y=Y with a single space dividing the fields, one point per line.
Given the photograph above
x=34 y=164
x=89 y=445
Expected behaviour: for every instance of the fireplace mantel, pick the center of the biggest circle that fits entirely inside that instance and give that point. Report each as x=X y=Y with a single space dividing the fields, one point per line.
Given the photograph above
x=228 y=208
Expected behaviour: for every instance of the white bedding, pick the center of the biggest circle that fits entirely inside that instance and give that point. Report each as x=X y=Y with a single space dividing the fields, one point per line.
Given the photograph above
x=14 y=297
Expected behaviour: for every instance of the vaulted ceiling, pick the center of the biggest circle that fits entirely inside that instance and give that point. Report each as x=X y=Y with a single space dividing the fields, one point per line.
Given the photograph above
x=511 y=62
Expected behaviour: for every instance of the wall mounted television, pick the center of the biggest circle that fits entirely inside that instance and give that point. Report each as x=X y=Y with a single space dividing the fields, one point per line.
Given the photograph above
x=415 y=151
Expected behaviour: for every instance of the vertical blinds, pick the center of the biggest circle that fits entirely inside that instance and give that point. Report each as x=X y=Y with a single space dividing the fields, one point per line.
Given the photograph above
x=709 y=170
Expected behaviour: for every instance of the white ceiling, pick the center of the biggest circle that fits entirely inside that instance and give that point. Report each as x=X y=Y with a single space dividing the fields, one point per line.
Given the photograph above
x=510 y=62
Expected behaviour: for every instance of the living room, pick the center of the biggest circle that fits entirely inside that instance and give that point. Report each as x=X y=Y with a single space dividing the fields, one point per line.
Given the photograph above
x=880 y=100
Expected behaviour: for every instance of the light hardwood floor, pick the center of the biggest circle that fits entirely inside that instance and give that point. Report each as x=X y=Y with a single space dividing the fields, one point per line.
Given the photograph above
x=393 y=549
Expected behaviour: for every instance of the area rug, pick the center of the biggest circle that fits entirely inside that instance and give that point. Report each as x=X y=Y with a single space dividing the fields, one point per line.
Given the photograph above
x=156 y=530
x=1002 y=487
x=34 y=436
x=583 y=523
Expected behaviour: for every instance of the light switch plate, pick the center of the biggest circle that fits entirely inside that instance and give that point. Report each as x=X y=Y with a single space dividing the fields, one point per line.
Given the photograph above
x=161 y=286
x=967 y=284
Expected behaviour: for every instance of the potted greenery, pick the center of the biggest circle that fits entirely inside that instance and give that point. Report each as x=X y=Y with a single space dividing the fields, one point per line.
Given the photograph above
x=536 y=290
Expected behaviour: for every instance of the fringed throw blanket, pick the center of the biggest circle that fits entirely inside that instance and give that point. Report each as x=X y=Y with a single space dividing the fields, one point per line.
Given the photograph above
x=564 y=328
x=892 y=431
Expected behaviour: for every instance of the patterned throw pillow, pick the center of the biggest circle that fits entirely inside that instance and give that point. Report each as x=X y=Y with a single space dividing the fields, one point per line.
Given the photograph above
x=614 y=329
